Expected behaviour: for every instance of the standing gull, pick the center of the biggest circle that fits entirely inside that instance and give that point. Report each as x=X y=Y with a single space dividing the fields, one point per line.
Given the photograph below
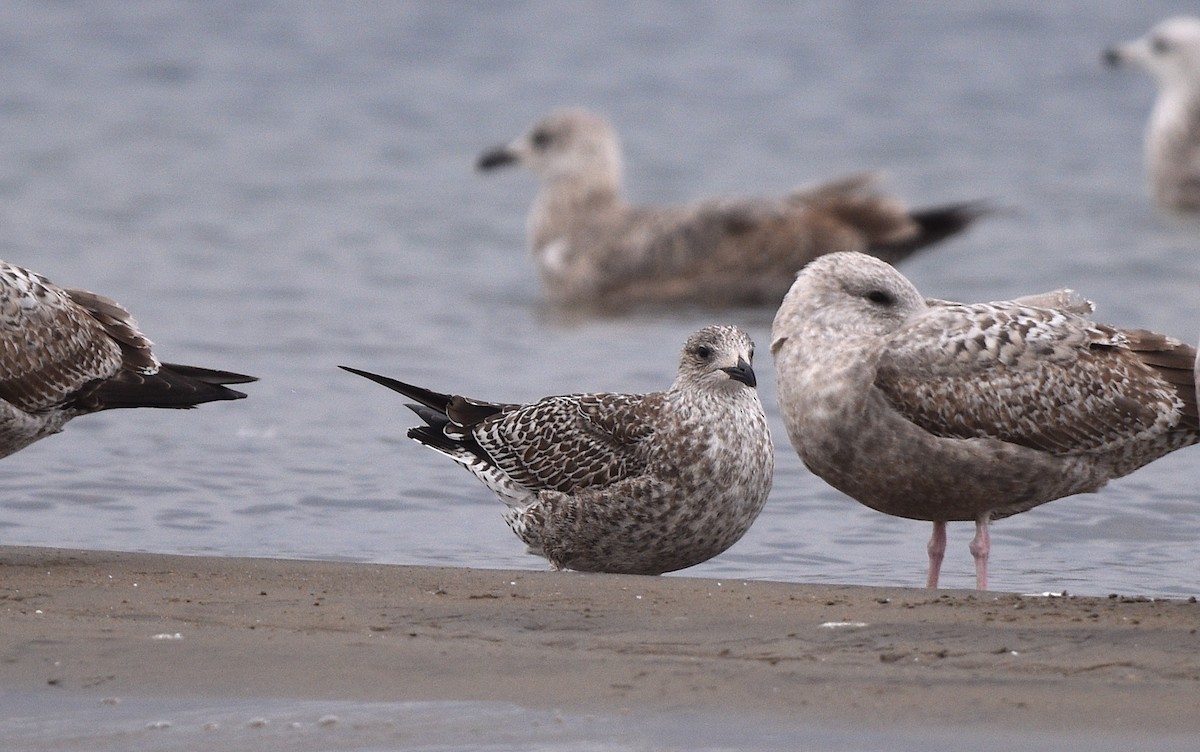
x=592 y=246
x=65 y=353
x=627 y=483
x=1171 y=53
x=945 y=411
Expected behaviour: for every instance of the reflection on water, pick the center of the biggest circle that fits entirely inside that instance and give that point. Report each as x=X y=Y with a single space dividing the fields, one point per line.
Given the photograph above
x=278 y=190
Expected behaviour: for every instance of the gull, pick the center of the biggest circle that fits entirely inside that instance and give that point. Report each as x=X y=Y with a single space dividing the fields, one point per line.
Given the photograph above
x=625 y=483
x=942 y=411
x=66 y=353
x=1171 y=53
x=591 y=246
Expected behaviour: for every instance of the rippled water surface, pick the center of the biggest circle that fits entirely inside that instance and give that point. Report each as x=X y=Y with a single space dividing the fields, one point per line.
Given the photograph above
x=51 y=723
x=279 y=188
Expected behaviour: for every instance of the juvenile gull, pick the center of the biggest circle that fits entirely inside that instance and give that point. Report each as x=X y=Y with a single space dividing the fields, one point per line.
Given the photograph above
x=592 y=246
x=1171 y=53
x=65 y=353
x=946 y=411
x=628 y=483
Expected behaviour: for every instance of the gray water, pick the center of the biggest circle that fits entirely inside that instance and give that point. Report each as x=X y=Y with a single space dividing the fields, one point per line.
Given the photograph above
x=111 y=724
x=277 y=188
x=85 y=724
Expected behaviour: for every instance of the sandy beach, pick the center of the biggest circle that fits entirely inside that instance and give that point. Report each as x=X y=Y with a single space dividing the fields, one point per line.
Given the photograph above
x=109 y=624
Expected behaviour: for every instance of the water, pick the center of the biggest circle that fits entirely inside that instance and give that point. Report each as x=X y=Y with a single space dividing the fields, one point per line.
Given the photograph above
x=278 y=188
x=48 y=722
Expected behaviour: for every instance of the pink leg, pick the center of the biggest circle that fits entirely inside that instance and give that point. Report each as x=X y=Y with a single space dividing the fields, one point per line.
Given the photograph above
x=980 y=546
x=937 y=551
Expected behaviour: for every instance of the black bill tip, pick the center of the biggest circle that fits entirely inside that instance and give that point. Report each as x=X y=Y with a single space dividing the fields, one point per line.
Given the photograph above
x=498 y=157
x=742 y=372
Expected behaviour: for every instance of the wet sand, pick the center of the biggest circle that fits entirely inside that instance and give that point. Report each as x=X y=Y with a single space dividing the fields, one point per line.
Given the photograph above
x=123 y=624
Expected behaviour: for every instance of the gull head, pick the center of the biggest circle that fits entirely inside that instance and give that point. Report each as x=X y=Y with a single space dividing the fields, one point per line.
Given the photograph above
x=1170 y=52
x=846 y=293
x=564 y=145
x=718 y=357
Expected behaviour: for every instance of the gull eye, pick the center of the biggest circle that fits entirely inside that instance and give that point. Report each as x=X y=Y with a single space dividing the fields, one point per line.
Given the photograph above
x=541 y=138
x=880 y=297
x=1160 y=46
x=704 y=352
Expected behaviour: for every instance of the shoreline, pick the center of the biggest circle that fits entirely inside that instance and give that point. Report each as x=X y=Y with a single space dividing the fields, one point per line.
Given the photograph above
x=133 y=624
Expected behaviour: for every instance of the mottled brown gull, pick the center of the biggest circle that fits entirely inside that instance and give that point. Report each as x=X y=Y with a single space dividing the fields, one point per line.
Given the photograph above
x=944 y=411
x=1171 y=53
x=627 y=483
x=66 y=353
x=591 y=246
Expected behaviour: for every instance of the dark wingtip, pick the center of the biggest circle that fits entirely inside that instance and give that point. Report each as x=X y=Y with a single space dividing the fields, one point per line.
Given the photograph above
x=213 y=379
x=1111 y=57
x=174 y=386
x=210 y=375
x=934 y=224
x=493 y=158
x=940 y=222
x=357 y=372
x=390 y=383
x=431 y=399
x=226 y=393
x=952 y=218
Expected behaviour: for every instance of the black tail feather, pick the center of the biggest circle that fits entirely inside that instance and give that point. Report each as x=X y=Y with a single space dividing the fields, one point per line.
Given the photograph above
x=434 y=437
